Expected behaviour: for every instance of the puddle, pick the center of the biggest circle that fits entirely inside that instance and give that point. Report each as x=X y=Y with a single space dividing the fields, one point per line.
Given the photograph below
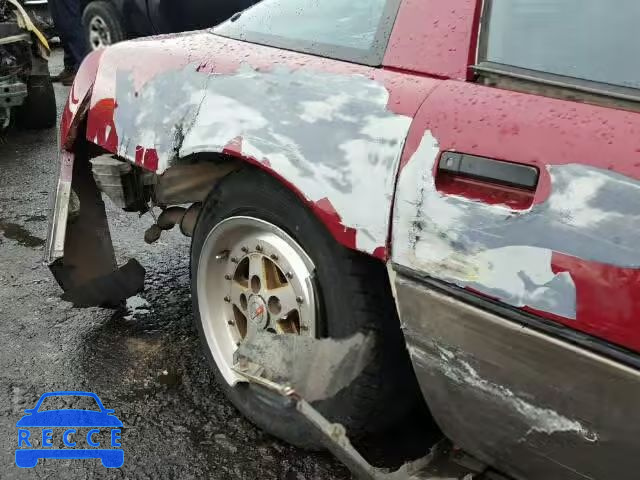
x=16 y=232
x=169 y=377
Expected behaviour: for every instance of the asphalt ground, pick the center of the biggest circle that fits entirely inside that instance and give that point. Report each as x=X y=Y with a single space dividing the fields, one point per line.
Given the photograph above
x=147 y=363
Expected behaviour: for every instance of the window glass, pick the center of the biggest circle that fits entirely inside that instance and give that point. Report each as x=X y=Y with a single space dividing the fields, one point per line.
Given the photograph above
x=593 y=40
x=354 y=30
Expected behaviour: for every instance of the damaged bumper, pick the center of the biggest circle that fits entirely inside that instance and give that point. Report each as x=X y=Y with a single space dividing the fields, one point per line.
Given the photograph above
x=79 y=251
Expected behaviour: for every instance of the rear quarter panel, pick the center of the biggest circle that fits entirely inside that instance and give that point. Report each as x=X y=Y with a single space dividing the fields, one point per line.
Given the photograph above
x=332 y=131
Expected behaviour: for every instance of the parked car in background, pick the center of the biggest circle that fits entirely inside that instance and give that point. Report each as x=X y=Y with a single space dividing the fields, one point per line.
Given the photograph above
x=26 y=93
x=474 y=163
x=111 y=21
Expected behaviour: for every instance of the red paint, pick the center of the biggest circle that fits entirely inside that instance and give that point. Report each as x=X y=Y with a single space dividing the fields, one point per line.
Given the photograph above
x=435 y=40
x=78 y=100
x=146 y=158
x=434 y=37
x=101 y=128
x=542 y=132
x=528 y=129
x=150 y=161
x=382 y=253
x=234 y=147
x=327 y=213
x=210 y=54
x=607 y=303
x=480 y=191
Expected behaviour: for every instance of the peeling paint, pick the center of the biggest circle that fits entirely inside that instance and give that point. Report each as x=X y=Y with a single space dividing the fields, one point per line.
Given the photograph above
x=507 y=253
x=460 y=371
x=330 y=135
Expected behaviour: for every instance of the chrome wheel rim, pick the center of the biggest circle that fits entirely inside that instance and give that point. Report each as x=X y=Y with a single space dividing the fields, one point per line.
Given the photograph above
x=252 y=276
x=99 y=35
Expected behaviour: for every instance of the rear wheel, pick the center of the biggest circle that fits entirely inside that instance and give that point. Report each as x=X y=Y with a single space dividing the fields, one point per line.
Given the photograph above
x=259 y=255
x=39 y=108
x=103 y=25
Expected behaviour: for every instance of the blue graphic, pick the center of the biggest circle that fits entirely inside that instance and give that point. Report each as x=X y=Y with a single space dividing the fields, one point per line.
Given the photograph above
x=27 y=456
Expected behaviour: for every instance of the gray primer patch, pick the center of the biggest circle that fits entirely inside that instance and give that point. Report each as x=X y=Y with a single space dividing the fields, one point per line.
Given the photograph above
x=507 y=253
x=330 y=135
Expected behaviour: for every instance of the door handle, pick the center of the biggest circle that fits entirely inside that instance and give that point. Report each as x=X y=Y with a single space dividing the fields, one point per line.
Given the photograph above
x=489 y=170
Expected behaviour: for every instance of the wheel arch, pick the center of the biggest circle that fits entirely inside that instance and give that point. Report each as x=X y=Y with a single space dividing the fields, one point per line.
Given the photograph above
x=232 y=159
x=76 y=108
x=343 y=162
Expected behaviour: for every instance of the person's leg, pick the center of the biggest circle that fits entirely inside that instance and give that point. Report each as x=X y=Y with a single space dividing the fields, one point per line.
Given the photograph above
x=68 y=22
x=69 y=62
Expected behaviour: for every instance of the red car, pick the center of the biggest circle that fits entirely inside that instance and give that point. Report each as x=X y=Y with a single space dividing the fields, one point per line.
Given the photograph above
x=476 y=163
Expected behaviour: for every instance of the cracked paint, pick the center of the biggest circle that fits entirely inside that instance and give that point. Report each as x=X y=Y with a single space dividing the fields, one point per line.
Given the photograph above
x=506 y=253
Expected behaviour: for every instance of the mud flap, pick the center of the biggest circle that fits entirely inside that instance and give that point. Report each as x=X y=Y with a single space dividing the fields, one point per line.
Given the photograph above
x=79 y=249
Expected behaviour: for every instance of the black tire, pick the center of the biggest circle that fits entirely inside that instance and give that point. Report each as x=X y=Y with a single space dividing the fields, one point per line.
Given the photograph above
x=355 y=296
x=109 y=15
x=39 y=108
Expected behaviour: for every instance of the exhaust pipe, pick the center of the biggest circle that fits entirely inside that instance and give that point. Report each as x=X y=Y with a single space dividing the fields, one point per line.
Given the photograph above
x=172 y=216
x=189 y=220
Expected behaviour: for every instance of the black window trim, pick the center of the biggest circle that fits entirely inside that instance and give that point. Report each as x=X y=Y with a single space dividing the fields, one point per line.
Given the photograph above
x=372 y=57
x=484 y=67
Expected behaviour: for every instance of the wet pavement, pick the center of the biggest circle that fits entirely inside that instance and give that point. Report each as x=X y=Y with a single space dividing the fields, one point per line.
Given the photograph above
x=147 y=363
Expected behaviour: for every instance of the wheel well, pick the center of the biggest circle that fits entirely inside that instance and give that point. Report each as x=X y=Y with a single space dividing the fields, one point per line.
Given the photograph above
x=321 y=209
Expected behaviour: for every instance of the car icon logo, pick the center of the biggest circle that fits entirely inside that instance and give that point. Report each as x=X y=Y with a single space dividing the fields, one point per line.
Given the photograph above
x=83 y=433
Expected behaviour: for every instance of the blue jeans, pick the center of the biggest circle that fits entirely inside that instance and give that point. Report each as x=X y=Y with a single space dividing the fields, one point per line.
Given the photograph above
x=67 y=18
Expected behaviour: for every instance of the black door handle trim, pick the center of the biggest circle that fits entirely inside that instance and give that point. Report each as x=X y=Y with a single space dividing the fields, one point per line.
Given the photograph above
x=493 y=171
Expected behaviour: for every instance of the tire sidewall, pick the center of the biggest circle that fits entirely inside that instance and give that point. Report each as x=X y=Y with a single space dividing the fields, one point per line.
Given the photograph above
x=109 y=15
x=39 y=110
x=255 y=194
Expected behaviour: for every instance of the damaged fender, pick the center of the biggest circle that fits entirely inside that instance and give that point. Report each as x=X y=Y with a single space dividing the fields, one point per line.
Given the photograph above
x=330 y=132
x=79 y=250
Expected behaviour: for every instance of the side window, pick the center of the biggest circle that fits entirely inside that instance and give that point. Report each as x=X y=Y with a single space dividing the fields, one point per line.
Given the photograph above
x=351 y=30
x=588 y=40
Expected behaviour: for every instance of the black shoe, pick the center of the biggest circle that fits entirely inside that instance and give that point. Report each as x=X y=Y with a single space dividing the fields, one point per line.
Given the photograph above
x=66 y=77
x=68 y=80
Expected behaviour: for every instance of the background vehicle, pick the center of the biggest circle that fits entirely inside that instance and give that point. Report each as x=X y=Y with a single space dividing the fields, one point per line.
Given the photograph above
x=508 y=177
x=38 y=10
x=111 y=21
x=26 y=92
